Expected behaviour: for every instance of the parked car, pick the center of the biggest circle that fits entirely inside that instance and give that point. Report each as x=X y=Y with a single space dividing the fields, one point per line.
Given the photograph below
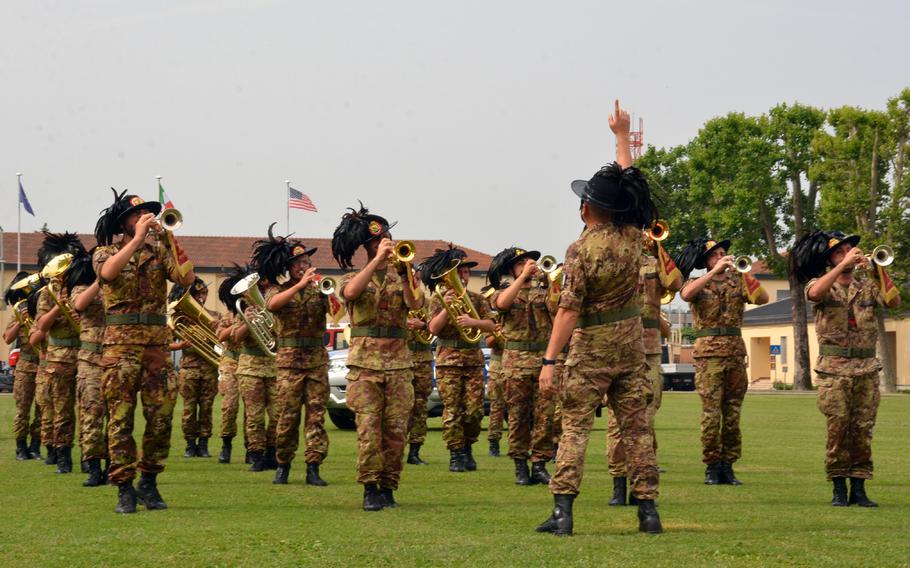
x=678 y=377
x=6 y=376
x=343 y=417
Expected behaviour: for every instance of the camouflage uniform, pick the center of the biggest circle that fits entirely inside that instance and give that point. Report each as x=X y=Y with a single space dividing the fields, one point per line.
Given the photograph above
x=496 y=393
x=606 y=356
x=720 y=367
x=44 y=403
x=422 y=383
x=526 y=326
x=303 y=373
x=198 y=380
x=651 y=293
x=258 y=387
x=379 y=379
x=135 y=358
x=459 y=378
x=228 y=385
x=24 y=389
x=62 y=352
x=92 y=410
x=848 y=382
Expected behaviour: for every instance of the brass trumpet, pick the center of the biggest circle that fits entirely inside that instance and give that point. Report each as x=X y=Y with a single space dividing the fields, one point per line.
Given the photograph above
x=547 y=264
x=327 y=285
x=403 y=255
x=882 y=255
x=743 y=264
x=262 y=323
x=659 y=231
x=170 y=219
x=191 y=322
x=54 y=272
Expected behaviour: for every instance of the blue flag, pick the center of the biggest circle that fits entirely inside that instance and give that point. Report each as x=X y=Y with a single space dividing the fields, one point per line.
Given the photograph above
x=24 y=200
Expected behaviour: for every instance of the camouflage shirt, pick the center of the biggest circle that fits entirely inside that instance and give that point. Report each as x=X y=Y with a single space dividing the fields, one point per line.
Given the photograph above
x=231 y=347
x=380 y=304
x=651 y=292
x=91 y=324
x=141 y=287
x=846 y=318
x=526 y=320
x=600 y=277
x=453 y=356
x=720 y=304
x=60 y=330
x=303 y=316
x=24 y=347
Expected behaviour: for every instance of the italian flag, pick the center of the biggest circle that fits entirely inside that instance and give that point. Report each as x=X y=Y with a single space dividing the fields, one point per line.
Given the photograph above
x=163 y=198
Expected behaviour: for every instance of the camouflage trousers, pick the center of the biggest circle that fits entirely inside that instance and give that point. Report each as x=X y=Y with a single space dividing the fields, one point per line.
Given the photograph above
x=229 y=388
x=423 y=386
x=559 y=374
x=302 y=389
x=61 y=380
x=45 y=403
x=24 y=394
x=618 y=373
x=92 y=411
x=128 y=371
x=850 y=405
x=530 y=416
x=198 y=387
x=260 y=401
x=461 y=391
x=382 y=401
x=497 y=399
x=616 y=453
x=721 y=382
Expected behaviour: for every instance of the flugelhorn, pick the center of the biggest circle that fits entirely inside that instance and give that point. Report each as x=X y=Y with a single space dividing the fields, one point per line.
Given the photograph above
x=191 y=322
x=743 y=264
x=659 y=231
x=54 y=272
x=261 y=323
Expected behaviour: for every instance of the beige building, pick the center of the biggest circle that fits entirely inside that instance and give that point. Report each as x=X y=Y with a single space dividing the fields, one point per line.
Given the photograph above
x=212 y=257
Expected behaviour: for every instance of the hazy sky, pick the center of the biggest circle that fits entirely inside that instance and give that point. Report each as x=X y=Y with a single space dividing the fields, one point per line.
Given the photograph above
x=464 y=120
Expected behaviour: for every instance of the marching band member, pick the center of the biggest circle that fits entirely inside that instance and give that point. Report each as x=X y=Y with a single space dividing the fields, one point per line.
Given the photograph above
x=419 y=339
x=228 y=384
x=24 y=377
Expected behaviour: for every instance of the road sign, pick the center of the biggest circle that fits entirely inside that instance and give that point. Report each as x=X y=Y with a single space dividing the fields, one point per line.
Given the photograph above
x=775 y=350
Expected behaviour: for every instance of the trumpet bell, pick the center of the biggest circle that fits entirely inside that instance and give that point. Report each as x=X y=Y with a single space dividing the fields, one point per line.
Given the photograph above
x=404 y=251
x=659 y=231
x=882 y=255
x=57 y=266
x=547 y=263
x=327 y=285
x=171 y=219
x=743 y=264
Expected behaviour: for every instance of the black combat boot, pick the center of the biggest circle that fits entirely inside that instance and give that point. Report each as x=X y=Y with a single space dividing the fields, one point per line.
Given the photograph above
x=387 y=498
x=281 y=474
x=126 y=498
x=312 y=475
x=271 y=459
x=840 y=492
x=414 y=455
x=539 y=473
x=494 y=448
x=469 y=463
x=21 y=450
x=202 y=448
x=51 y=458
x=371 y=499
x=858 y=493
x=560 y=521
x=148 y=494
x=64 y=459
x=34 y=450
x=257 y=461
x=83 y=463
x=727 y=477
x=191 y=450
x=225 y=455
x=95 y=477
x=648 y=519
x=456 y=460
x=522 y=475
x=712 y=474
x=619 y=492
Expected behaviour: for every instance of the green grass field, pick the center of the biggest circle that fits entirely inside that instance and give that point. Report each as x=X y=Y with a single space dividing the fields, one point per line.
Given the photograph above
x=222 y=515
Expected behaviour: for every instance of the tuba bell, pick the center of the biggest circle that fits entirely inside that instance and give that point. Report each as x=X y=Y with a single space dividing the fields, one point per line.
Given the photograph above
x=192 y=322
x=261 y=323
x=54 y=272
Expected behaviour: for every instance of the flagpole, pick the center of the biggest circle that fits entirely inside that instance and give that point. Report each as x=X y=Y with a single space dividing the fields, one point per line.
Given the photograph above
x=19 y=223
x=160 y=194
x=287 y=205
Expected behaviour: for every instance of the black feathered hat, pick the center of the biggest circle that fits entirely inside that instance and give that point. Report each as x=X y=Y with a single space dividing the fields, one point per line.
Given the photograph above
x=81 y=272
x=177 y=290
x=811 y=254
x=13 y=296
x=234 y=275
x=111 y=221
x=355 y=230
x=55 y=244
x=623 y=192
x=273 y=256
x=443 y=260
x=503 y=262
x=32 y=304
x=695 y=255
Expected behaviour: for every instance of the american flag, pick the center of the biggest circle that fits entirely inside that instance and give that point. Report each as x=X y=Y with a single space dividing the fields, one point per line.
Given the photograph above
x=298 y=200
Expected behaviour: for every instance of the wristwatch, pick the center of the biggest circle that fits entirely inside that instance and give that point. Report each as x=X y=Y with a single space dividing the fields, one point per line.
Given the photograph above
x=549 y=361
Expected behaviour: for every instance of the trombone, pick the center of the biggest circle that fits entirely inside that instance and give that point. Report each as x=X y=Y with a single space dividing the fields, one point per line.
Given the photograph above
x=54 y=272
x=261 y=323
x=191 y=322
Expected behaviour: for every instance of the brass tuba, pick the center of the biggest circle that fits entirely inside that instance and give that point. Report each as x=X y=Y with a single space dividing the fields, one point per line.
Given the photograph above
x=262 y=323
x=54 y=272
x=461 y=305
x=192 y=322
x=422 y=336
